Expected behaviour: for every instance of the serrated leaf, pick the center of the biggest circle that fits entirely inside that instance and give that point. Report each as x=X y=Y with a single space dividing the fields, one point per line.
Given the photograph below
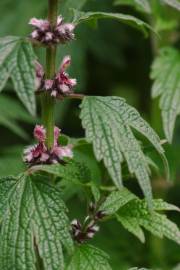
x=80 y=17
x=116 y=200
x=87 y=257
x=17 y=62
x=173 y=3
x=166 y=76
x=135 y=215
x=108 y=122
x=141 y=5
x=34 y=222
x=73 y=171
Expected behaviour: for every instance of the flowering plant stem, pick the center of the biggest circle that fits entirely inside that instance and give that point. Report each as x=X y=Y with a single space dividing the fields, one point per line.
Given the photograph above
x=47 y=102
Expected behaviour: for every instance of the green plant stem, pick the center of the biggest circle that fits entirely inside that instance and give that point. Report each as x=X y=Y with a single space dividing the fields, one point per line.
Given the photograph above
x=48 y=102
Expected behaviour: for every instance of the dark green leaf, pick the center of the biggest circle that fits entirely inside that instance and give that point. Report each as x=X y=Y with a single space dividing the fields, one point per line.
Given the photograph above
x=141 y=5
x=80 y=17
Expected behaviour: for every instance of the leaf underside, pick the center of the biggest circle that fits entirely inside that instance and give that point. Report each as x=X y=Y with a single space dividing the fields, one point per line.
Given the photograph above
x=33 y=224
x=166 y=76
x=17 y=61
x=108 y=122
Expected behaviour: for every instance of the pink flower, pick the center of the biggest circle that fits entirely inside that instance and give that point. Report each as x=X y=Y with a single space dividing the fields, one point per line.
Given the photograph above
x=39 y=75
x=46 y=34
x=40 y=133
x=42 y=25
x=63 y=85
x=39 y=154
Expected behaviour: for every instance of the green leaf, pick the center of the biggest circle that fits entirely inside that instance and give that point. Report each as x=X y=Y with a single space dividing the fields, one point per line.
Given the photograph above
x=166 y=76
x=173 y=3
x=34 y=225
x=116 y=200
x=87 y=257
x=73 y=171
x=80 y=17
x=135 y=215
x=17 y=62
x=108 y=122
x=141 y=5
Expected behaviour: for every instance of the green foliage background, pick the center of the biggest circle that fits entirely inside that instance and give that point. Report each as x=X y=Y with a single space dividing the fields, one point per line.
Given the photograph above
x=108 y=58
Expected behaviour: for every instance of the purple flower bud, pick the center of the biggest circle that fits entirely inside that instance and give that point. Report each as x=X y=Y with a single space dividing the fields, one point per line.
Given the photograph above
x=42 y=25
x=48 y=84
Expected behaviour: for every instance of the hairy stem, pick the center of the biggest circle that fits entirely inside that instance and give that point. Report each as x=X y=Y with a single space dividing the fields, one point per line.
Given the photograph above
x=48 y=102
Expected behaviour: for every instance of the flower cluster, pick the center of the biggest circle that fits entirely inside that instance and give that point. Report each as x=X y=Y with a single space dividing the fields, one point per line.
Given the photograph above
x=61 y=85
x=39 y=154
x=47 y=35
x=83 y=232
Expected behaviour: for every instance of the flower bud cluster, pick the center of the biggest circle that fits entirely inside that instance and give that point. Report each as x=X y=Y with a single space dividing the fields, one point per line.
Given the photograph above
x=83 y=232
x=39 y=154
x=61 y=85
x=47 y=35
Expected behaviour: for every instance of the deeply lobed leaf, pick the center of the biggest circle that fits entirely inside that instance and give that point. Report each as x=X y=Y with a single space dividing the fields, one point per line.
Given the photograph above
x=166 y=76
x=108 y=122
x=135 y=215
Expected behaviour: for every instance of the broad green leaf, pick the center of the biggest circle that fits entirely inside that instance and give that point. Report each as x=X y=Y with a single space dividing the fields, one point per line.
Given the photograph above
x=10 y=117
x=108 y=122
x=116 y=200
x=80 y=17
x=34 y=224
x=141 y=5
x=166 y=76
x=73 y=171
x=17 y=62
x=87 y=257
x=173 y=3
x=135 y=215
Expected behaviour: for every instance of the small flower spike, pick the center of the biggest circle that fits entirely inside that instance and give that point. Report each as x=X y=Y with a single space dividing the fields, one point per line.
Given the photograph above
x=47 y=35
x=83 y=232
x=39 y=154
x=62 y=85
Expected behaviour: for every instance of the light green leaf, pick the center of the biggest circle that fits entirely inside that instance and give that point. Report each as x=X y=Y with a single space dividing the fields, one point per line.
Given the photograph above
x=116 y=200
x=166 y=76
x=17 y=62
x=80 y=17
x=173 y=3
x=135 y=215
x=87 y=257
x=34 y=224
x=108 y=122
x=141 y=5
